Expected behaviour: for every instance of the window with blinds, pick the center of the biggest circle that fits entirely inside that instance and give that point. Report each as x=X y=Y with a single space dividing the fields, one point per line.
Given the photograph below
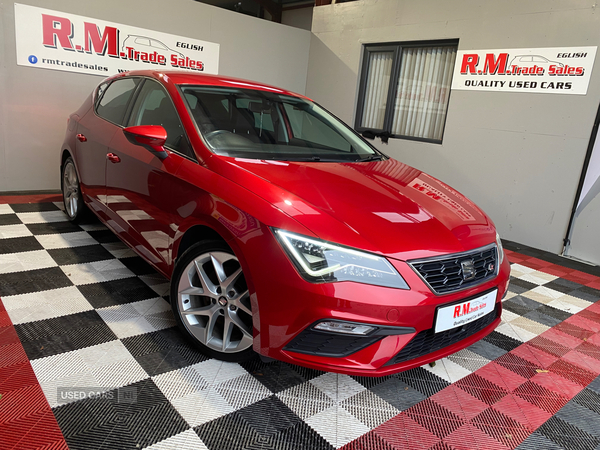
x=405 y=89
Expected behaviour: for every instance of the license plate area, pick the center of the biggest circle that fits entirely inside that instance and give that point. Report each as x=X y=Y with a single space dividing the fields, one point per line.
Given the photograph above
x=459 y=314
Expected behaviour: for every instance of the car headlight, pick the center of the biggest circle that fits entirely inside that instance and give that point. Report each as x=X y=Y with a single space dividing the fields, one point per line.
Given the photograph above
x=322 y=262
x=500 y=249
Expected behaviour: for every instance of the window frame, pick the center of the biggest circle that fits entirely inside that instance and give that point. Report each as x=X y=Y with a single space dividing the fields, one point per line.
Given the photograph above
x=131 y=103
x=396 y=49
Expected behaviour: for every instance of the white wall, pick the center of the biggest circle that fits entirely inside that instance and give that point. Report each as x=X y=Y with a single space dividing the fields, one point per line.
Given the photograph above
x=35 y=103
x=519 y=156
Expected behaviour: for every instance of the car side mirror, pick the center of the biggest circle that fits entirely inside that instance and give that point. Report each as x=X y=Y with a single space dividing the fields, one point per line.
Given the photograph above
x=151 y=137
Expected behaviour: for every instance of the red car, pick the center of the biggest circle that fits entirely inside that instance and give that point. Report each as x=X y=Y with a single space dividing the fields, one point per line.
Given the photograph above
x=282 y=230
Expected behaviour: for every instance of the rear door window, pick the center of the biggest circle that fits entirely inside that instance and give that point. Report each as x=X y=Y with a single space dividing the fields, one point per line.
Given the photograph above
x=153 y=106
x=113 y=103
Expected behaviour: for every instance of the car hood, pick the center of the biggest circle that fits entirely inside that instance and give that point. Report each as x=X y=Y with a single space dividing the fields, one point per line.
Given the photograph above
x=382 y=206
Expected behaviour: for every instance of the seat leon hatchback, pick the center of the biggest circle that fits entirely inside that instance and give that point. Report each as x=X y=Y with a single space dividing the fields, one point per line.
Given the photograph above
x=282 y=231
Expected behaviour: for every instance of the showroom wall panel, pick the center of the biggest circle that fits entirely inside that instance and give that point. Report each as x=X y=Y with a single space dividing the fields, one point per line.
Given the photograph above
x=35 y=103
x=517 y=155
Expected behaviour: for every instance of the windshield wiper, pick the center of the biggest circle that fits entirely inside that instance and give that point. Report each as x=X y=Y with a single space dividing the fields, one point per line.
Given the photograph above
x=370 y=158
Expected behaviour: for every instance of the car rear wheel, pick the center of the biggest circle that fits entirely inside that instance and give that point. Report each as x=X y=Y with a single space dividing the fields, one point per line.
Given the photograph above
x=211 y=302
x=72 y=198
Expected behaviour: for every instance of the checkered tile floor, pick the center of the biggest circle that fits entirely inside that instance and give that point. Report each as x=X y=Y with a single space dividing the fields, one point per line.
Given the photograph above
x=89 y=314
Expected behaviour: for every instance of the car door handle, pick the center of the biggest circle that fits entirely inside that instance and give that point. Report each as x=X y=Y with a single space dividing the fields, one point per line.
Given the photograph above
x=81 y=137
x=113 y=158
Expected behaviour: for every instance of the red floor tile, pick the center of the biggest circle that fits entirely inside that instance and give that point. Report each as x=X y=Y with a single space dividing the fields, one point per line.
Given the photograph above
x=400 y=433
x=469 y=437
x=459 y=402
x=522 y=411
x=35 y=198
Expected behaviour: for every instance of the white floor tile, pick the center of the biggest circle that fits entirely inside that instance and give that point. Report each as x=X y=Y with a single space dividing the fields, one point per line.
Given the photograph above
x=188 y=440
x=45 y=304
x=201 y=407
x=66 y=240
x=96 y=272
x=24 y=261
x=140 y=317
x=14 y=231
x=42 y=217
x=336 y=386
x=337 y=426
x=5 y=209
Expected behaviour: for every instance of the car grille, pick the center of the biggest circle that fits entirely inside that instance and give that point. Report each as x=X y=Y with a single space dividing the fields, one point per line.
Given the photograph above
x=315 y=342
x=428 y=341
x=444 y=274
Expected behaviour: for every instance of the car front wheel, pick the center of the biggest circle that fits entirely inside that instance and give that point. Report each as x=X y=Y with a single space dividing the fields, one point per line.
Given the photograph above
x=72 y=198
x=211 y=302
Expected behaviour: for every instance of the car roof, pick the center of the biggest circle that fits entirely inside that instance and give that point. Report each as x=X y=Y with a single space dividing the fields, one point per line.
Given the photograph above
x=187 y=77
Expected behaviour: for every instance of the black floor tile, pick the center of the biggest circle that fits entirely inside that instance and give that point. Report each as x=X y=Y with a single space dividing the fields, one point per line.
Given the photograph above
x=590 y=398
x=39 y=229
x=80 y=255
x=268 y=424
x=487 y=350
x=536 y=441
x=104 y=236
x=522 y=283
x=586 y=293
x=19 y=244
x=63 y=334
x=553 y=312
x=275 y=376
x=563 y=285
x=580 y=417
x=568 y=436
x=9 y=219
x=163 y=351
x=33 y=281
x=116 y=292
x=502 y=341
x=595 y=385
x=137 y=265
x=398 y=393
x=34 y=207
x=423 y=381
x=544 y=319
x=515 y=307
x=524 y=301
x=111 y=424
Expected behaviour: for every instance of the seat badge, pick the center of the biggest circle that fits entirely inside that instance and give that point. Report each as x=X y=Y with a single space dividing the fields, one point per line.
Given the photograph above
x=467 y=269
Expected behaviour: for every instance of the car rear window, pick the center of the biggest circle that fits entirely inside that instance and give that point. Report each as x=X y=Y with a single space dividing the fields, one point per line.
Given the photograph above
x=113 y=103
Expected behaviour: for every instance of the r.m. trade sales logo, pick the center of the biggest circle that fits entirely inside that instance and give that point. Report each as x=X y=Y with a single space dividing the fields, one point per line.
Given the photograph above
x=520 y=65
x=60 y=32
x=564 y=70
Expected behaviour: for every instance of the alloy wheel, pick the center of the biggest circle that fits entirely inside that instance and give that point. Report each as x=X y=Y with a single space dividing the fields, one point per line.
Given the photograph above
x=213 y=299
x=70 y=187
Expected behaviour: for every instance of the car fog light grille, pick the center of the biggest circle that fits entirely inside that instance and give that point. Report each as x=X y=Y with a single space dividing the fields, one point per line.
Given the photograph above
x=428 y=341
x=336 y=338
x=458 y=271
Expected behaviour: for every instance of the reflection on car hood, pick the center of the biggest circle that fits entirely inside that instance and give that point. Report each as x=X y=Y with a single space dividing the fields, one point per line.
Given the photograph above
x=382 y=206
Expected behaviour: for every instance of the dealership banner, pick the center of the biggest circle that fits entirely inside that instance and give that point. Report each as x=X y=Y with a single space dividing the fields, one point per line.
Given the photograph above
x=60 y=41
x=560 y=70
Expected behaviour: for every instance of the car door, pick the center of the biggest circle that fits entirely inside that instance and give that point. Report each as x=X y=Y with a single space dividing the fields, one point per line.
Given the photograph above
x=139 y=184
x=94 y=133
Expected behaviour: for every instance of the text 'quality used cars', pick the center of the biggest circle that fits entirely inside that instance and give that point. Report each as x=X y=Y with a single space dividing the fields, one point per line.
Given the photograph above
x=282 y=231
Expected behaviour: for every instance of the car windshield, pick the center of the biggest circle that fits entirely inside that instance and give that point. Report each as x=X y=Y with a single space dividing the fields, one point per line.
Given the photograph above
x=253 y=124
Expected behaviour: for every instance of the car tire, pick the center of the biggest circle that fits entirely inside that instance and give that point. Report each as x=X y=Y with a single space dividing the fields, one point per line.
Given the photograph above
x=75 y=207
x=211 y=302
